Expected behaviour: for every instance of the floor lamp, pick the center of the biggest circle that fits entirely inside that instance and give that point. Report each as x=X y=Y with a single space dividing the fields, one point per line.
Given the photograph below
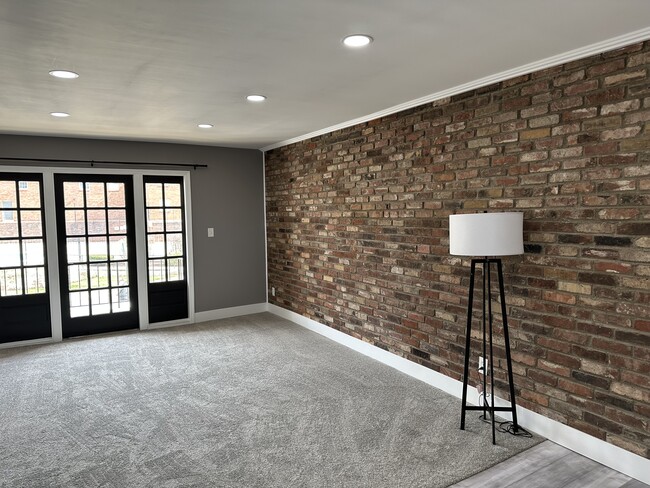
x=487 y=234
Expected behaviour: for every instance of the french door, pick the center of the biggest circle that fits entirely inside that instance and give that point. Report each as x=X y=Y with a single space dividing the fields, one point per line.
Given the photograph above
x=24 y=294
x=96 y=245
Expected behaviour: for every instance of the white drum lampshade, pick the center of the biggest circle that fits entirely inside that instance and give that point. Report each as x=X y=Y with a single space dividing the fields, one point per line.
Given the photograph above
x=486 y=234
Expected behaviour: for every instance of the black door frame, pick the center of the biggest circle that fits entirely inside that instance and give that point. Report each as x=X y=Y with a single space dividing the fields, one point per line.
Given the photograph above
x=26 y=316
x=109 y=322
x=168 y=299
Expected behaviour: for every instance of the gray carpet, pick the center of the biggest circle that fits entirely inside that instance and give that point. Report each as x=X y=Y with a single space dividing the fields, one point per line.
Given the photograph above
x=251 y=401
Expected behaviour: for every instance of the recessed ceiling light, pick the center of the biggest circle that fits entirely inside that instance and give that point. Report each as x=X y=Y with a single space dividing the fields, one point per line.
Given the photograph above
x=59 y=114
x=357 y=40
x=62 y=73
x=205 y=126
x=255 y=98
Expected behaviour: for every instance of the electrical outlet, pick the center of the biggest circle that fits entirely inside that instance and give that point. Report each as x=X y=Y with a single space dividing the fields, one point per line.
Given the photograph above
x=273 y=291
x=483 y=364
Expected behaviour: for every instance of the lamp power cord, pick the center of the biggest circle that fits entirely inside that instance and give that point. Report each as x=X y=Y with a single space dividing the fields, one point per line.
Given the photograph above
x=506 y=426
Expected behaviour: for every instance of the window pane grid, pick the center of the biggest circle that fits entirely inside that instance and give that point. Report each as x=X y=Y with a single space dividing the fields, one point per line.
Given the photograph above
x=22 y=240
x=165 y=232
x=101 y=251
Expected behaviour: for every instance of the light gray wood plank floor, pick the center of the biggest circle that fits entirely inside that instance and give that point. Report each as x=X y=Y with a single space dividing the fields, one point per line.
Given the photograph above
x=548 y=465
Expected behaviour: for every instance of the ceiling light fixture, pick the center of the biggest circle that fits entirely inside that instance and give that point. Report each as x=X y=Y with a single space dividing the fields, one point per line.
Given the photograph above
x=357 y=40
x=255 y=98
x=60 y=114
x=62 y=73
x=205 y=126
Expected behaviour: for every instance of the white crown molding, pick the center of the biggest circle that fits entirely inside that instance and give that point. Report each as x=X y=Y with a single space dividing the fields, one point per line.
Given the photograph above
x=573 y=55
x=600 y=451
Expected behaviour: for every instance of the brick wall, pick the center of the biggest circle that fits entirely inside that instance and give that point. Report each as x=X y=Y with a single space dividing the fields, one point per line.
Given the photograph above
x=357 y=224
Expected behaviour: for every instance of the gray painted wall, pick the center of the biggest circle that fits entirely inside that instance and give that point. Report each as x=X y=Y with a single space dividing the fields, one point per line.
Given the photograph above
x=229 y=269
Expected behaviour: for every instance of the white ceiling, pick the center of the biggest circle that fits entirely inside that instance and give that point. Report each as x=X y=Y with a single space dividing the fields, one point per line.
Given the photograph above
x=154 y=69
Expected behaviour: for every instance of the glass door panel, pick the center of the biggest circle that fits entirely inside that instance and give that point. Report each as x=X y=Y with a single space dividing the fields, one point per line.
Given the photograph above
x=96 y=253
x=24 y=297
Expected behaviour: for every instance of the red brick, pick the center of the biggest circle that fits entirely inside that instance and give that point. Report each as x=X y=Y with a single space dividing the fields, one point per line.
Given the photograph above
x=620 y=107
x=579 y=114
x=515 y=103
x=604 y=68
x=605 y=96
x=538 y=87
x=620 y=133
x=613 y=267
x=623 y=77
x=618 y=213
x=559 y=297
x=563 y=359
x=554 y=368
x=583 y=87
x=604 y=148
x=547 y=120
x=642 y=325
x=570 y=78
x=575 y=388
x=639 y=59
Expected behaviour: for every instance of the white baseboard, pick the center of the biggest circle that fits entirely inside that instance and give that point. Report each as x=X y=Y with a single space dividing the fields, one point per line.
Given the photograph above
x=608 y=454
x=224 y=313
x=31 y=342
x=164 y=325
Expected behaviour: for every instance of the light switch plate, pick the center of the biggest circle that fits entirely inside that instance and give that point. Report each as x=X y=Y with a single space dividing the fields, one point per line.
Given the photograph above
x=210 y=231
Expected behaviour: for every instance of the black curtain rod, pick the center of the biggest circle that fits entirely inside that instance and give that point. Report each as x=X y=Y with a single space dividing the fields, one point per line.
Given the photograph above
x=93 y=162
